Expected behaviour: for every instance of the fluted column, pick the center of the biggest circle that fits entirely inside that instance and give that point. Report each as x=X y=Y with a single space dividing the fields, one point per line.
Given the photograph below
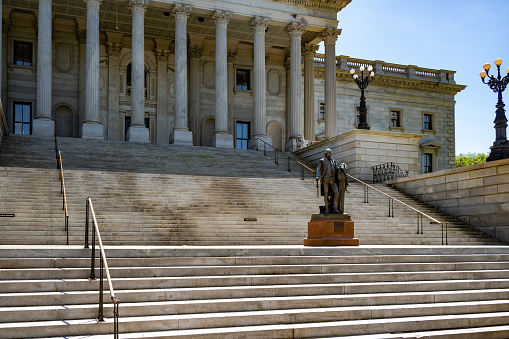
x=137 y=131
x=195 y=53
x=222 y=138
x=329 y=36
x=232 y=55
x=286 y=63
x=181 y=134
x=162 y=128
x=81 y=37
x=43 y=123
x=115 y=132
x=92 y=127
x=259 y=25
x=309 y=52
x=295 y=29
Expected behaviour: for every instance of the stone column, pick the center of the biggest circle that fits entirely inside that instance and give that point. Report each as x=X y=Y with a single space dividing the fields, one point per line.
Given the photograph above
x=162 y=126
x=259 y=25
x=222 y=138
x=114 y=128
x=43 y=123
x=181 y=134
x=232 y=55
x=329 y=36
x=92 y=127
x=137 y=131
x=81 y=36
x=194 y=54
x=309 y=52
x=295 y=29
x=6 y=26
x=286 y=63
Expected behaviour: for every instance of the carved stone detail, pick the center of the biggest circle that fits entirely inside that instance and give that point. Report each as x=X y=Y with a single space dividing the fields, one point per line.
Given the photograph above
x=330 y=35
x=113 y=49
x=309 y=50
x=195 y=52
x=232 y=55
x=162 y=55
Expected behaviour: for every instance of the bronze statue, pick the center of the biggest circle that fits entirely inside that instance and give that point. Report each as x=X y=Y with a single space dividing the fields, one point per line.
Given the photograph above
x=326 y=173
x=342 y=181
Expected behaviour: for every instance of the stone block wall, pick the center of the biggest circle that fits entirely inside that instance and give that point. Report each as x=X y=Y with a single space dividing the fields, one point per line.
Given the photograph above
x=478 y=194
x=363 y=149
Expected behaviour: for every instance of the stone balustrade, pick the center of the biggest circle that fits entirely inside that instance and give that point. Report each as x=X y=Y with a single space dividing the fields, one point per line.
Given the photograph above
x=390 y=69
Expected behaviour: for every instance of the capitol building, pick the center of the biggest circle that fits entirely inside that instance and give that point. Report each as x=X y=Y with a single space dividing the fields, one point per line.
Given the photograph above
x=229 y=74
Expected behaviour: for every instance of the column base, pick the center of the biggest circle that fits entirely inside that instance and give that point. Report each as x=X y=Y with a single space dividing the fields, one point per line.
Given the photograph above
x=181 y=137
x=92 y=130
x=256 y=142
x=138 y=134
x=222 y=140
x=296 y=144
x=43 y=127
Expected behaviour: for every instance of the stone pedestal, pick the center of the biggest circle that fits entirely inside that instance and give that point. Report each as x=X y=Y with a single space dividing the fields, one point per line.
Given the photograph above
x=331 y=230
x=222 y=140
x=181 y=137
x=92 y=130
x=138 y=134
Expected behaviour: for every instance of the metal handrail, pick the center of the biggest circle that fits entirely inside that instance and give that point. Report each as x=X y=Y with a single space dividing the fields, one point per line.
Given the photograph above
x=3 y=121
x=391 y=209
x=62 y=189
x=388 y=171
x=104 y=267
x=277 y=151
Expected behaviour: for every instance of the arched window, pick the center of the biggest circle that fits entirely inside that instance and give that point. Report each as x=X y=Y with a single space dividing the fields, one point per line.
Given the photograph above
x=129 y=77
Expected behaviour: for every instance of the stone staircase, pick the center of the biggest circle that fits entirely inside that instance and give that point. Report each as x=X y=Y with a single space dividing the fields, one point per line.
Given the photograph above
x=259 y=292
x=170 y=195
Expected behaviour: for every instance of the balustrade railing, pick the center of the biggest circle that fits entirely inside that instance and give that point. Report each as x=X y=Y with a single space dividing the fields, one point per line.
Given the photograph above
x=386 y=172
x=103 y=267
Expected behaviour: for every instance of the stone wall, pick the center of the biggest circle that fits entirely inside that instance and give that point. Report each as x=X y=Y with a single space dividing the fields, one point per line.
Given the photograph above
x=363 y=149
x=478 y=194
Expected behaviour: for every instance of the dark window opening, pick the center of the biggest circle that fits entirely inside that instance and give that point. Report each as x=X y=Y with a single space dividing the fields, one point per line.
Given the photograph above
x=321 y=111
x=22 y=118
x=428 y=162
x=242 y=79
x=22 y=53
x=242 y=135
x=395 y=119
x=428 y=121
x=129 y=80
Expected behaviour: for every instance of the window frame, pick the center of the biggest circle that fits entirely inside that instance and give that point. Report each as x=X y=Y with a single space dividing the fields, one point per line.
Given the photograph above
x=431 y=124
x=400 y=119
x=427 y=162
x=321 y=111
x=249 y=71
x=15 y=121
x=15 y=42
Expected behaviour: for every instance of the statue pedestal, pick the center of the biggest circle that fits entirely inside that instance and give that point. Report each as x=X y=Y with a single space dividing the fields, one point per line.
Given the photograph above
x=330 y=230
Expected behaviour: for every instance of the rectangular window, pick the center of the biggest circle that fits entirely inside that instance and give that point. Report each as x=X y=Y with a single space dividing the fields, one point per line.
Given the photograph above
x=242 y=135
x=242 y=79
x=321 y=111
x=22 y=53
x=395 y=118
x=427 y=122
x=428 y=162
x=22 y=118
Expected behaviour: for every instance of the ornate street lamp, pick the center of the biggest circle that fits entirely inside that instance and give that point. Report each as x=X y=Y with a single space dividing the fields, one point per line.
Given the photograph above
x=363 y=83
x=500 y=148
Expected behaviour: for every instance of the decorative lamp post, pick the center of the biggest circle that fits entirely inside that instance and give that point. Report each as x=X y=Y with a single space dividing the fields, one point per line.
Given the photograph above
x=363 y=83
x=500 y=148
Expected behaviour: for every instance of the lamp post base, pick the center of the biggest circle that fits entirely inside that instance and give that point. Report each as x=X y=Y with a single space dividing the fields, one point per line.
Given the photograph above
x=499 y=152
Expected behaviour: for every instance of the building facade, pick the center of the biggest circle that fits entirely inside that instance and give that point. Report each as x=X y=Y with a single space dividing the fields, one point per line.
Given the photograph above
x=209 y=73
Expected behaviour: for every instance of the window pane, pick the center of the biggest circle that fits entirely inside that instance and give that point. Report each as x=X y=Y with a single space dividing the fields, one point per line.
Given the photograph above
x=245 y=134
x=18 y=112
x=26 y=129
x=244 y=144
x=17 y=128
x=239 y=131
x=26 y=113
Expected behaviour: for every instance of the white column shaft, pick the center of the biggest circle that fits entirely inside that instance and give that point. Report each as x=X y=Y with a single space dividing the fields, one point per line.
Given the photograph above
x=331 y=121
x=309 y=96
x=221 y=76
x=181 y=14
x=92 y=63
x=138 y=67
x=44 y=65
x=259 y=80
x=296 y=117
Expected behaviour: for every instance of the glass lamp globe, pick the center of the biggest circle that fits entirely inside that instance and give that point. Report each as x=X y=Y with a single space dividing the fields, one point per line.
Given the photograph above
x=498 y=62
x=486 y=66
x=352 y=71
x=483 y=74
x=362 y=68
x=370 y=68
x=355 y=76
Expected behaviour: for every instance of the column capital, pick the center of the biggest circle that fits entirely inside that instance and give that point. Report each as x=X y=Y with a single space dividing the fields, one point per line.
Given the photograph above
x=232 y=55
x=6 y=26
x=94 y=4
x=309 y=50
x=180 y=11
x=295 y=28
x=330 y=35
x=161 y=55
x=260 y=23
x=195 y=52
x=113 y=49
x=222 y=17
x=138 y=6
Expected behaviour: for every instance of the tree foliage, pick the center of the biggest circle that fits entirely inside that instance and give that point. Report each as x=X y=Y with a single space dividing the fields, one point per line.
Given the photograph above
x=467 y=159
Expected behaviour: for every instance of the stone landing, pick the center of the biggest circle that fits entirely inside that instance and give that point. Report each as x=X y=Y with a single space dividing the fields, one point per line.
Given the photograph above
x=331 y=230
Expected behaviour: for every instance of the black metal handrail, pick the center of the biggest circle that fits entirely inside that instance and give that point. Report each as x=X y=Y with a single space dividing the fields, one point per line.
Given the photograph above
x=4 y=129
x=391 y=209
x=289 y=158
x=104 y=267
x=388 y=171
x=62 y=188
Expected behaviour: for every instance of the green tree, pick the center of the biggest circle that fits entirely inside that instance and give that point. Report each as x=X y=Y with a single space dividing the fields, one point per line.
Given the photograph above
x=467 y=159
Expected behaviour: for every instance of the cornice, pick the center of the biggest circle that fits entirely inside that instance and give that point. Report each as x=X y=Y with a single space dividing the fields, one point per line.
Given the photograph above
x=330 y=5
x=382 y=80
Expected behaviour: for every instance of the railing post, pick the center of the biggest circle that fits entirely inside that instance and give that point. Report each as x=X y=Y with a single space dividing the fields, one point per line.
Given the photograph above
x=100 y=316
x=391 y=208
x=67 y=228
x=92 y=265
x=115 y=318
x=366 y=195
x=86 y=223
x=264 y=150
x=277 y=157
x=289 y=169
x=301 y=173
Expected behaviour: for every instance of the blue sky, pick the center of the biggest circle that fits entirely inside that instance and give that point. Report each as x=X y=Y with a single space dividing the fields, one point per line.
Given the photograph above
x=458 y=35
